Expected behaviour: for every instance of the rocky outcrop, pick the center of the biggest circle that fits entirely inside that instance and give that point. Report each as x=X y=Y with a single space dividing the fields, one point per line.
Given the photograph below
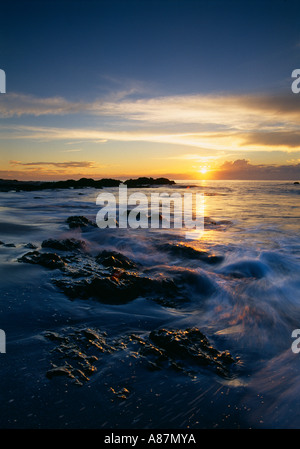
x=109 y=277
x=48 y=260
x=148 y=182
x=79 y=352
x=7 y=185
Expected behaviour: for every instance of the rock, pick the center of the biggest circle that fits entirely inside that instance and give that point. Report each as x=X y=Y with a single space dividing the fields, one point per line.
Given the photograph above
x=15 y=185
x=209 y=223
x=79 y=351
x=121 y=394
x=30 y=246
x=115 y=290
x=108 y=182
x=116 y=260
x=191 y=344
x=59 y=371
x=79 y=221
x=296 y=182
x=48 y=260
x=110 y=277
x=65 y=244
x=185 y=251
x=147 y=182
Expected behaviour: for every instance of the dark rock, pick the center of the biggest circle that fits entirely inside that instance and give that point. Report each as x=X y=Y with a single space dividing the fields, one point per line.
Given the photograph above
x=30 y=246
x=147 y=182
x=108 y=182
x=9 y=245
x=296 y=182
x=209 y=223
x=79 y=221
x=7 y=185
x=116 y=288
x=116 y=260
x=121 y=394
x=49 y=260
x=185 y=251
x=59 y=371
x=77 y=353
x=111 y=277
x=192 y=344
x=65 y=244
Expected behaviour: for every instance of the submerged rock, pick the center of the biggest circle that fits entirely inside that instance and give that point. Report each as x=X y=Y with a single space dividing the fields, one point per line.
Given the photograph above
x=30 y=246
x=110 y=277
x=79 y=221
x=65 y=244
x=116 y=288
x=188 y=252
x=49 y=260
x=209 y=223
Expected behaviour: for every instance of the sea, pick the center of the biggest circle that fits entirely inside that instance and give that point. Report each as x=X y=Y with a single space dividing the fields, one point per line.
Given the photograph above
x=245 y=301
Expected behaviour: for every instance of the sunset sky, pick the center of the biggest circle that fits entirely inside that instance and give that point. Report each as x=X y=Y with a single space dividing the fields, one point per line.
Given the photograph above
x=125 y=88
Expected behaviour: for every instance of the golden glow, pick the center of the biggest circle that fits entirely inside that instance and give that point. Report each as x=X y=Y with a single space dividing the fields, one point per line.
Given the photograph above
x=203 y=170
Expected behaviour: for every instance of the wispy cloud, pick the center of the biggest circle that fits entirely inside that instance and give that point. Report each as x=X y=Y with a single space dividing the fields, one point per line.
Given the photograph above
x=15 y=104
x=212 y=122
x=243 y=169
x=36 y=170
x=239 y=112
x=66 y=164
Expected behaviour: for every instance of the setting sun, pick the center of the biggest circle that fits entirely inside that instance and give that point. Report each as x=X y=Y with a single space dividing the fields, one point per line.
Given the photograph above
x=203 y=170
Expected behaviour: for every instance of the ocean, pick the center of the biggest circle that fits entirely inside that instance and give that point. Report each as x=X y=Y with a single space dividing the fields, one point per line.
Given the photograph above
x=143 y=328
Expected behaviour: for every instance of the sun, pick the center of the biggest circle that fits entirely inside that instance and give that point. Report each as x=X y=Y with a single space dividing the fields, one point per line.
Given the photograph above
x=203 y=170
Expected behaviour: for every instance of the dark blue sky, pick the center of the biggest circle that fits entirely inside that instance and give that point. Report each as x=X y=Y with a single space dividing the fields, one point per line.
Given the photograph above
x=81 y=48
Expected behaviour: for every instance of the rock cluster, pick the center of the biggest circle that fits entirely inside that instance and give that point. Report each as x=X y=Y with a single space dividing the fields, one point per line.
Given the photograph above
x=78 y=353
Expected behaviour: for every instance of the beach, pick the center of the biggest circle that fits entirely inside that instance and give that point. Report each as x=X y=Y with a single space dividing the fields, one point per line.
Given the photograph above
x=143 y=328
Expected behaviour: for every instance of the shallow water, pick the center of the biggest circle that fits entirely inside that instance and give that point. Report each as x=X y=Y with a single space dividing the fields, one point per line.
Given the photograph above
x=247 y=304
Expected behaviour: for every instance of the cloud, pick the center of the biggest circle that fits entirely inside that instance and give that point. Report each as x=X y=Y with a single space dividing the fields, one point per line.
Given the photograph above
x=220 y=122
x=243 y=169
x=37 y=170
x=274 y=138
x=240 y=112
x=15 y=104
x=67 y=164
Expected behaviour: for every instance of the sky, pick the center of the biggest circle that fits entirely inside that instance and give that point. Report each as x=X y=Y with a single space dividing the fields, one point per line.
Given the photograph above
x=187 y=89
